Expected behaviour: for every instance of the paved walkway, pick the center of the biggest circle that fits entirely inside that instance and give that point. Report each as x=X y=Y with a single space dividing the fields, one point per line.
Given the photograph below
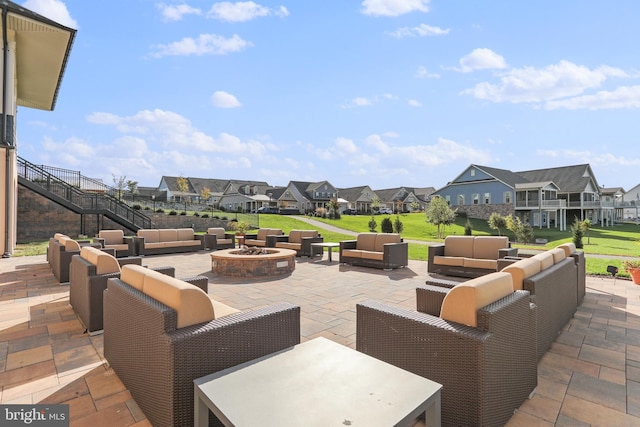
x=591 y=375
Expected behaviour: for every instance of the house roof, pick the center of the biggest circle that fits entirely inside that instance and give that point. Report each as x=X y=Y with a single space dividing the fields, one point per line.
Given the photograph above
x=570 y=179
x=354 y=193
x=42 y=51
x=393 y=194
x=508 y=177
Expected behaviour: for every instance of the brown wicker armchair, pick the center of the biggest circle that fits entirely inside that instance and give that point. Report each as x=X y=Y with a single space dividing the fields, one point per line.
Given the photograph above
x=486 y=370
x=157 y=355
x=88 y=275
x=218 y=238
x=59 y=252
x=115 y=239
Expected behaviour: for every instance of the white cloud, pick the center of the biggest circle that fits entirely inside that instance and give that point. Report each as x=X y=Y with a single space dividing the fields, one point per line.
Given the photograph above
x=205 y=44
x=52 y=9
x=481 y=59
x=223 y=99
x=414 y=103
x=553 y=82
x=172 y=12
x=423 y=73
x=421 y=30
x=393 y=7
x=592 y=158
x=358 y=102
x=243 y=11
x=622 y=97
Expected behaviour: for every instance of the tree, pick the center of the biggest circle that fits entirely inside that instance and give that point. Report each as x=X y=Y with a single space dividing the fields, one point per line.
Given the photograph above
x=439 y=213
x=375 y=204
x=373 y=224
x=386 y=225
x=183 y=187
x=132 y=186
x=398 y=226
x=415 y=206
x=577 y=231
x=333 y=206
x=205 y=193
x=586 y=226
x=497 y=222
x=399 y=206
x=521 y=229
x=468 y=230
x=119 y=183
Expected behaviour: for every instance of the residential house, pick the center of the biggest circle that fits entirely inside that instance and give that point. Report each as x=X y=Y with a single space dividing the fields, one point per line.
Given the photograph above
x=303 y=197
x=169 y=185
x=245 y=196
x=631 y=203
x=424 y=195
x=401 y=199
x=544 y=197
x=358 y=198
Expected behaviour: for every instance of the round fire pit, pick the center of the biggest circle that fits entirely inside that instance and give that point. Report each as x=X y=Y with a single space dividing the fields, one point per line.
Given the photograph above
x=230 y=262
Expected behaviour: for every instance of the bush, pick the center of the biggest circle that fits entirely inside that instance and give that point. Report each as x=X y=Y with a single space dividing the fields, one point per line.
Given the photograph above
x=147 y=208
x=467 y=228
x=386 y=225
x=173 y=213
x=183 y=213
x=205 y=215
x=373 y=225
x=159 y=210
x=136 y=207
x=196 y=214
x=577 y=231
x=398 y=226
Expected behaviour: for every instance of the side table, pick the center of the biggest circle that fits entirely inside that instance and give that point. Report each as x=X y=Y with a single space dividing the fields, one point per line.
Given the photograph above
x=319 y=248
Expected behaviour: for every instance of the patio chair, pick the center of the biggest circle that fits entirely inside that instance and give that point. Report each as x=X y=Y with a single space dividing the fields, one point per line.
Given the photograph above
x=218 y=238
x=61 y=249
x=160 y=334
x=481 y=347
x=115 y=239
x=88 y=275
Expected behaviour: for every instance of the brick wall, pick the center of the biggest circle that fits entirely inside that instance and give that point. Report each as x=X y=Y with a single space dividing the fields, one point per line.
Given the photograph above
x=39 y=218
x=485 y=211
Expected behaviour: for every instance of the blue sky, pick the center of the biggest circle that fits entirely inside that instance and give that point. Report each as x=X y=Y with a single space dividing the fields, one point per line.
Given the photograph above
x=385 y=93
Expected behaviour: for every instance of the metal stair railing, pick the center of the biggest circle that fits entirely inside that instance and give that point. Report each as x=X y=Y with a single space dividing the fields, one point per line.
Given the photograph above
x=80 y=201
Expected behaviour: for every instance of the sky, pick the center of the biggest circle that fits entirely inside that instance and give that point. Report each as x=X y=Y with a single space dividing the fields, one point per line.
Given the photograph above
x=385 y=93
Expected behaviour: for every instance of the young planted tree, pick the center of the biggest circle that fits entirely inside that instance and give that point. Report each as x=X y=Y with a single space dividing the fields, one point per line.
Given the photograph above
x=132 y=186
x=439 y=213
x=183 y=187
x=577 y=233
x=497 y=222
x=373 y=225
x=586 y=226
x=333 y=207
x=386 y=225
x=521 y=230
x=205 y=194
x=119 y=183
x=375 y=204
x=398 y=226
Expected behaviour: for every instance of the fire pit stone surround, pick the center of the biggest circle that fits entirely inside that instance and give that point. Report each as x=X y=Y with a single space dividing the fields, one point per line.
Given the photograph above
x=232 y=262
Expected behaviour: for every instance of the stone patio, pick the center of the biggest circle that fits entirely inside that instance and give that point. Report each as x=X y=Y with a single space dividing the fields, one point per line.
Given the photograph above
x=591 y=375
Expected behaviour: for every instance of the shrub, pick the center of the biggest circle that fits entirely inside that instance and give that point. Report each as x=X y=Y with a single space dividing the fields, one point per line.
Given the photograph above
x=147 y=208
x=386 y=225
x=398 y=226
x=577 y=233
x=183 y=213
x=173 y=213
x=467 y=228
x=196 y=214
x=136 y=207
x=373 y=225
x=206 y=215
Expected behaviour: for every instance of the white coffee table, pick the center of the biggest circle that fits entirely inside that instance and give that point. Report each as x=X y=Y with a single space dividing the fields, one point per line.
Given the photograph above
x=321 y=246
x=316 y=383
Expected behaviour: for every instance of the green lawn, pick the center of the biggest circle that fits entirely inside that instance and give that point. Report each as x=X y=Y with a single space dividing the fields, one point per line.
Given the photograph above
x=619 y=240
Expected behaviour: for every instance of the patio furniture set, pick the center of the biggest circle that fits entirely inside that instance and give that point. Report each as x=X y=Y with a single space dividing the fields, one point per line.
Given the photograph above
x=479 y=340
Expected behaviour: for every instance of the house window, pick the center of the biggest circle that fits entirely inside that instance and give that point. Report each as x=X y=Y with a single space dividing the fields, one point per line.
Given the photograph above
x=476 y=198
x=448 y=199
x=460 y=199
x=506 y=197
x=487 y=198
x=473 y=172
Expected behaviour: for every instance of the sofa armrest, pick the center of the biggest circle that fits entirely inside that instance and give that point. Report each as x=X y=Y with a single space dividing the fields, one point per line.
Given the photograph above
x=252 y=236
x=135 y=260
x=306 y=242
x=502 y=253
x=432 y=252
x=270 y=241
x=429 y=299
x=99 y=240
x=281 y=238
x=396 y=254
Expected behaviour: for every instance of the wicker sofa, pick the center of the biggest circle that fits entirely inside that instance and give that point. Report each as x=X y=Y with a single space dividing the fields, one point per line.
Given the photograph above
x=265 y=237
x=161 y=333
x=124 y=246
x=468 y=256
x=167 y=240
x=480 y=347
x=218 y=238
x=88 y=275
x=551 y=279
x=378 y=250
x=299 y=241
x=60 y=251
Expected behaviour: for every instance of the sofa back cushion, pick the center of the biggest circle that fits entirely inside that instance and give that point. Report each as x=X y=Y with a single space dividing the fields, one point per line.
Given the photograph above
x=104 y=262
x=150 y=235
x=219 y=232
x=185 y=234
x=366 y=242
x=487 y=247
x=133 y=275
x=545 y=258
x=57 y=236
x=558 y=254
x=460 y=246
x=295 y=236
x=521 y=270
x=462 y=302
x=310 y=233
x=568 y=248
x=191 y=303
x=262 y=234
x=383 y=238
x=69 y=244
x=111 y=237
x=167 y=235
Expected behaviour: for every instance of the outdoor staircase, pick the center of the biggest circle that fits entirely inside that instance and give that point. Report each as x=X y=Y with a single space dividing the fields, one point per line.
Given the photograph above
x=80 y=194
